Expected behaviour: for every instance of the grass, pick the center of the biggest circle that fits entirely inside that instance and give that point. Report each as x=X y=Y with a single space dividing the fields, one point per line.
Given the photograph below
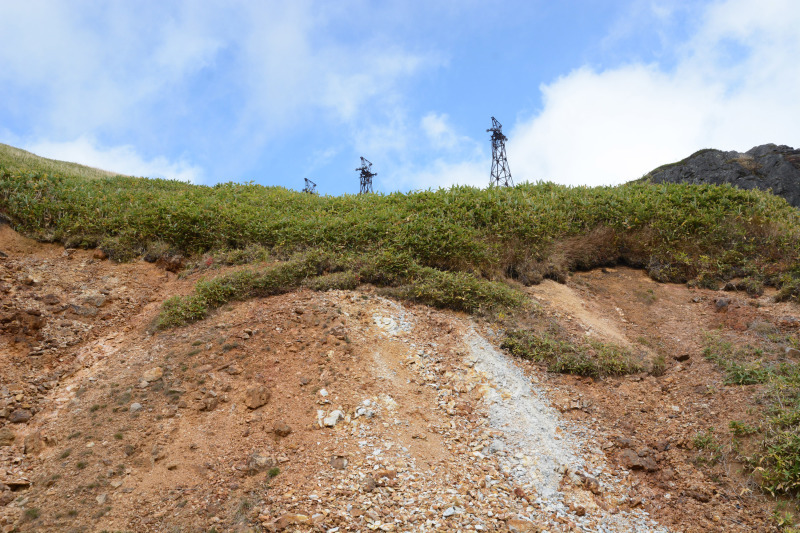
x=18 y=160
x=776 y=456
x=677 y=232
x=593 y=359
x=705 y=440
x=401 y=277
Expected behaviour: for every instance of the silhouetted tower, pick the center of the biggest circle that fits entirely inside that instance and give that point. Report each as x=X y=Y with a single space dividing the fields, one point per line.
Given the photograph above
x=311 y=187
x=501 y=175
x=366 y=176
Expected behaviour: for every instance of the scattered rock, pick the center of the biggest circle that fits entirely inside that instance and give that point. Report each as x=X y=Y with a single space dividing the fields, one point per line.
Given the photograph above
x=19 y=416
x=339 y=462
x=135 y=407
x=333 y=418
x=6 y=437
x=697 y=495
x=281 y=429
x=289 y=519
x=208 y=403
x=256 y=395
x=385 y=474
x=154 y=374
x=722 y=304
x=233 y=369
x=17 y=484
x=50 y=299
x=516 y=525
x=633 y=461
x=258 y=463
x=369 y=484
x=577 y=510
x=34 y=443
x=591 y=484
x=101 y=499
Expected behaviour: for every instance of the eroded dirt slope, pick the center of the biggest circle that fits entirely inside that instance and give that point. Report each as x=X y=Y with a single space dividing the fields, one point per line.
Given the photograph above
x=317 y=411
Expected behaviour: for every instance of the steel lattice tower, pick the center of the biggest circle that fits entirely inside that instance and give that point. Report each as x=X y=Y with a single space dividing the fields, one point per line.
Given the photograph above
x=311 y=187
x=501 y=175
x=366 y=176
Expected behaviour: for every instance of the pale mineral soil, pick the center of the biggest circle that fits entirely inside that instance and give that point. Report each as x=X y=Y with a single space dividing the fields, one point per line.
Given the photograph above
x=105 y=425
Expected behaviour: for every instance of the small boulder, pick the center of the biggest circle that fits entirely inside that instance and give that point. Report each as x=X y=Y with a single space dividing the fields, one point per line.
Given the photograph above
x=34 y=443
x=291 y=519
x=369 y=484
x=19 y=416
x=332 y=418
x=135 y=407
x=517 y=525
x=632 y=461
x=6 y=437
x=258 y=463
x=722 y=304
x=339 y=462
x=154 y=374
x=792 y=352
x=281 y=429
x=256 y=395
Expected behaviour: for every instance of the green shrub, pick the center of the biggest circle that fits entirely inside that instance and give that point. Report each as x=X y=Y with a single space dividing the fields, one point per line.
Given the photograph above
x=594 y=359
x=338 y=280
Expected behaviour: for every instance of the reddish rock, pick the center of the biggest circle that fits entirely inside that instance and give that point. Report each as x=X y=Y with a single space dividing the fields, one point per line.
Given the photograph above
x=256 y=395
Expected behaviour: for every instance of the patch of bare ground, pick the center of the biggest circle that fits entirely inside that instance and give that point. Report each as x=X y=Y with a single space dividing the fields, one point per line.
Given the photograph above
x=343 y=411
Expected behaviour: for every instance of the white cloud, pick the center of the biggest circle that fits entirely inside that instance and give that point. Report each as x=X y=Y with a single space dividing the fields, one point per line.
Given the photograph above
x=128 y=69
x=439 y=132
x=121 y=159
x=734 y=87
x=440 y=173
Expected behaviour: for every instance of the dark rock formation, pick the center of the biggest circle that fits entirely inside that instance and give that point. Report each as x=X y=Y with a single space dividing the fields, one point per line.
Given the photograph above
x=764 y=167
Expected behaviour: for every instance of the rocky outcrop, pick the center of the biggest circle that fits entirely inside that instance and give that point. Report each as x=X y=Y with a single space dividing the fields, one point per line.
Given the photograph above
x=766 y=167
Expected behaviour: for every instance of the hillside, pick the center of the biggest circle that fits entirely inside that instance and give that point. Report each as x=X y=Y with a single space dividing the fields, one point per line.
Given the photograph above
x=241 y=358
x=765 y=167
x=17 y=160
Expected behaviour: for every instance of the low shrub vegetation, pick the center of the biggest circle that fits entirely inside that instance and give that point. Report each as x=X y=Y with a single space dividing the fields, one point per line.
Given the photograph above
x=776 y=455
x=677 y=232
x=593 y=359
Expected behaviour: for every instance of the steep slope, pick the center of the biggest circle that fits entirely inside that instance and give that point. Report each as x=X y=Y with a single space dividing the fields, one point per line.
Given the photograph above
x=313 y=411
x=18 y=160
x=765 y=167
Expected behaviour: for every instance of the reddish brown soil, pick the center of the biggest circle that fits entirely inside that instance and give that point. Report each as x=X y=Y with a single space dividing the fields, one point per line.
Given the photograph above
x=76 y=346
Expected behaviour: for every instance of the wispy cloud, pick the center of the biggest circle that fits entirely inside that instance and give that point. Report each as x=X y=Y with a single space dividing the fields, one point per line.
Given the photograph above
x=122 y=159
x=733 y=86
x=236 y=76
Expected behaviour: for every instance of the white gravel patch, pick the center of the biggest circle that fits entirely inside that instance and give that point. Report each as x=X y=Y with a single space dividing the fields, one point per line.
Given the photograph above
x=538 y=447
x=526 y=418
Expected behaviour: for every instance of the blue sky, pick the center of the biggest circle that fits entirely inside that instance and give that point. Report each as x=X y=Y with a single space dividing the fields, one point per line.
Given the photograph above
x=589 y=92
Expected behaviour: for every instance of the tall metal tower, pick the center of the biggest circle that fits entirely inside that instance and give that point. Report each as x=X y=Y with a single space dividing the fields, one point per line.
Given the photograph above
x=501 y=175
x=366 y=176
x=311 y=187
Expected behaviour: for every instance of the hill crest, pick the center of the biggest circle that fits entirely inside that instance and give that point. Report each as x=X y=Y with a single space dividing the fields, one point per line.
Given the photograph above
x=765 y=167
